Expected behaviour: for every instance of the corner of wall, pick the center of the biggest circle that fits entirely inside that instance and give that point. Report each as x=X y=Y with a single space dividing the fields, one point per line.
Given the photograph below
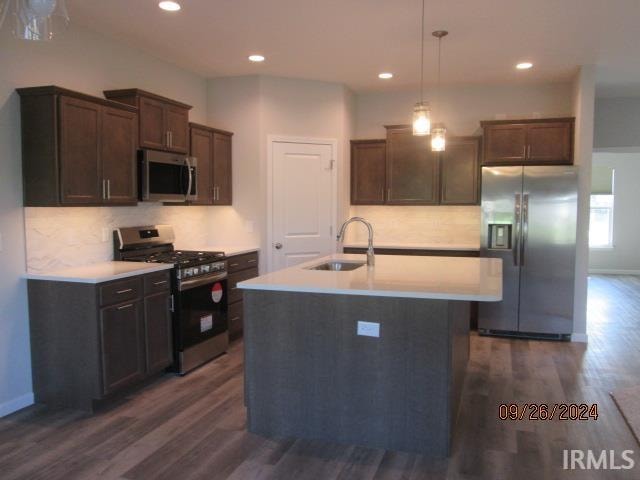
x=583 y=108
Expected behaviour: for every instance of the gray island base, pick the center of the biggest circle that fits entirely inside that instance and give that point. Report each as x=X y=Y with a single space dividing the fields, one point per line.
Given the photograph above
x=310 y=375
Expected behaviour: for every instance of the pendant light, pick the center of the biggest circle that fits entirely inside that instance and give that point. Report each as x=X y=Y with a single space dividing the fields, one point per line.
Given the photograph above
x=438 y=132
x=36 y=19
x=421 y=110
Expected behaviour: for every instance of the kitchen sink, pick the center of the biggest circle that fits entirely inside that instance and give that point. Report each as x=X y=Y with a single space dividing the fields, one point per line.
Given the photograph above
x=337 y=266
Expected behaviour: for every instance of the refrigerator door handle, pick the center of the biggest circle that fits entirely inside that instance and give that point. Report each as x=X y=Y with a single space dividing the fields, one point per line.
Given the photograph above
x=525 y=226
x=516 y=231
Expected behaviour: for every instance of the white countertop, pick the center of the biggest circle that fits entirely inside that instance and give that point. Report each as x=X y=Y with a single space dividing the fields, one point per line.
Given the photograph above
x=446 y=278
x=416 y=246
x=100 y=272
x=229 y=250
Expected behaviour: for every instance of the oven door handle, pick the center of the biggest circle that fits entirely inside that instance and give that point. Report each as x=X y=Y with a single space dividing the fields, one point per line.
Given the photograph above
x=197 y=282
x=188 y=192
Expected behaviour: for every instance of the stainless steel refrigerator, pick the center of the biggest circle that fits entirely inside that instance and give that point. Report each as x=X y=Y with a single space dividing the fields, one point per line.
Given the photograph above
x=529 y=221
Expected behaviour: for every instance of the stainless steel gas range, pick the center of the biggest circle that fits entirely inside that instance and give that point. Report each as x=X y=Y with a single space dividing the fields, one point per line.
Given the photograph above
x=198 y=287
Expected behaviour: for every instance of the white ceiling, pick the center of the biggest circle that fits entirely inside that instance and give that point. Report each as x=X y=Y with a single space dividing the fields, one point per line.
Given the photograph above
x=351 y=41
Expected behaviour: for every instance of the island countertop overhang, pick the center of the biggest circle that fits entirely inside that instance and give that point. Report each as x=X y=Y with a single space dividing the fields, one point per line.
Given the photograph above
x=439 y=278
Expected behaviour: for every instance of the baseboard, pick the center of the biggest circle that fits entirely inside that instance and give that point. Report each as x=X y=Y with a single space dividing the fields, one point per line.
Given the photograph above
x=579 y=337
x=612 y=271
x=16 y=404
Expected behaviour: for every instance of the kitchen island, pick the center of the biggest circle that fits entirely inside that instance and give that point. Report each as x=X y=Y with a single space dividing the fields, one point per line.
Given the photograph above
x=373 y=356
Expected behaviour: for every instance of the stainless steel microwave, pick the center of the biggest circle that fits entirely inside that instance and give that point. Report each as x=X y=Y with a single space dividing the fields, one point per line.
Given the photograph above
x=167 y=177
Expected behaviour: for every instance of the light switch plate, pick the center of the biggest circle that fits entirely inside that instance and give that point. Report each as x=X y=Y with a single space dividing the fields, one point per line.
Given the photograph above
x=368 y=329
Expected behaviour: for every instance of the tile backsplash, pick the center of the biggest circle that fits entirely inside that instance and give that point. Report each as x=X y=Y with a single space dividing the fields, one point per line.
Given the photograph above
x=439 y=225
x=71 y=236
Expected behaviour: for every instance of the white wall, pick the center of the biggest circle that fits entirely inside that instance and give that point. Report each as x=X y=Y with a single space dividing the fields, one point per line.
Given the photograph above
x=624 y=257
x=90 y=63
x=462 y=110
x=254 y=107
x=617 y=122
x=583 y=107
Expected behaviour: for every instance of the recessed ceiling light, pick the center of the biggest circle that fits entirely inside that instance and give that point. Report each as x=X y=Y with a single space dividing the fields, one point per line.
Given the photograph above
x=524 y=65
x=385 y=75
x=169 y=6
x=256 y=58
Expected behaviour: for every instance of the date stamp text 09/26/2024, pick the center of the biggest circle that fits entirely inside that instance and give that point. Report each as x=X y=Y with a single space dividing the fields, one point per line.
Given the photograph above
x=546 y=412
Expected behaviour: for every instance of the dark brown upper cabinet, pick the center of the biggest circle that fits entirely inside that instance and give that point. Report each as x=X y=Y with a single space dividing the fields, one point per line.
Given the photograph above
x=212 y=149
x=460 y=171
x=528 y=142
x=368 y=172
x=412 y=168
x=77 y=149
x=403 y=170
x=163 y=122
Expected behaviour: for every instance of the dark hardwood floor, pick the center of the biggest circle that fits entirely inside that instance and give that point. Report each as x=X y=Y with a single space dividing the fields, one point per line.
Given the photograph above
x=193 y=427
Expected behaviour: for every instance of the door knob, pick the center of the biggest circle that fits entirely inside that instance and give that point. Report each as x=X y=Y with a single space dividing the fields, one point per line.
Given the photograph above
x=278 y=245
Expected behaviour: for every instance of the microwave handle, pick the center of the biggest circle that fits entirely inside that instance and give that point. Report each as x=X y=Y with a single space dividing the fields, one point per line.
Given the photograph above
x=188 y=192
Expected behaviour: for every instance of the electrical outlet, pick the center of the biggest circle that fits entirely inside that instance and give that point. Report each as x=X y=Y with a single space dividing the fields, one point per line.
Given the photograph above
x=106 y=234
x=368 y=329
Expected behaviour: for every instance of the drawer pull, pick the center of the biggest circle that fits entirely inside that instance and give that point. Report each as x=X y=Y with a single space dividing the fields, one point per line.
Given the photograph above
x=235 y=319
x=162 y=282
x=234 y=264
x=252 y=261
x=129 y=305
x=126 y=290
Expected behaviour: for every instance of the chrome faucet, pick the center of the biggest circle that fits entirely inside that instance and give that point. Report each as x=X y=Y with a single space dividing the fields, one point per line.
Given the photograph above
x=371 y=259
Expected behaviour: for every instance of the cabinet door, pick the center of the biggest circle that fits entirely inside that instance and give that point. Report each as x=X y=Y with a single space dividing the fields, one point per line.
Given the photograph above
x=80 y=171
x=202 y=149
x=222 y=179
x=158 y=337
x=550 y=143
x=122 y=342
x=368 y=172
x=459 y=166
x=177 y=124
x=118 y=155
x=412 y=169
x=505 y=144
x=153 y=132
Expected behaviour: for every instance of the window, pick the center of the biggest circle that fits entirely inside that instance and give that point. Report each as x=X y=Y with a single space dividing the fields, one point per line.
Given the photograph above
x=602 y=200
x=601 y=222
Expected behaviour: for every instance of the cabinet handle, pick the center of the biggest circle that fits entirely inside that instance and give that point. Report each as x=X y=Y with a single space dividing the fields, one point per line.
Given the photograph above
x=382 y=193
x=234 y=264
x=235 y=319
x=166 y=138
x=252 y=261
x=104 y=189
x=171 y=304
x=129 y=305
x=529 y=152
x=388 y=193
x=126 y=290
x=170 y=138
x=162 y=282
x=108 y=189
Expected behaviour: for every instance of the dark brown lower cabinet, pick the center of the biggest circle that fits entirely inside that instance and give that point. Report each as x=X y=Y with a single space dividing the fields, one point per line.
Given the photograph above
x=91 y=342
x=157 y=327
x=240 y=267
x=122 y=345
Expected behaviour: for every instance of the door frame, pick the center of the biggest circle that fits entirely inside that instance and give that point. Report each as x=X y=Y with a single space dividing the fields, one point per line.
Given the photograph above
x=271 y=141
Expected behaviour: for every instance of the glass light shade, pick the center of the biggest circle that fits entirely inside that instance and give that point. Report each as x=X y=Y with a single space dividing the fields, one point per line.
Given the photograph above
x=39 y=19
x=438 y=139
x=421 y=119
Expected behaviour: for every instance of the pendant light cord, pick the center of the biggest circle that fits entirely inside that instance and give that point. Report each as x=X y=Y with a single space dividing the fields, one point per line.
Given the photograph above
x=438 y=93
x=422 y=57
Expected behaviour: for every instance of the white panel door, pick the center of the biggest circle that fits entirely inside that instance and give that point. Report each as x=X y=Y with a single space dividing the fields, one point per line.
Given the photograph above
x=303 y=202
